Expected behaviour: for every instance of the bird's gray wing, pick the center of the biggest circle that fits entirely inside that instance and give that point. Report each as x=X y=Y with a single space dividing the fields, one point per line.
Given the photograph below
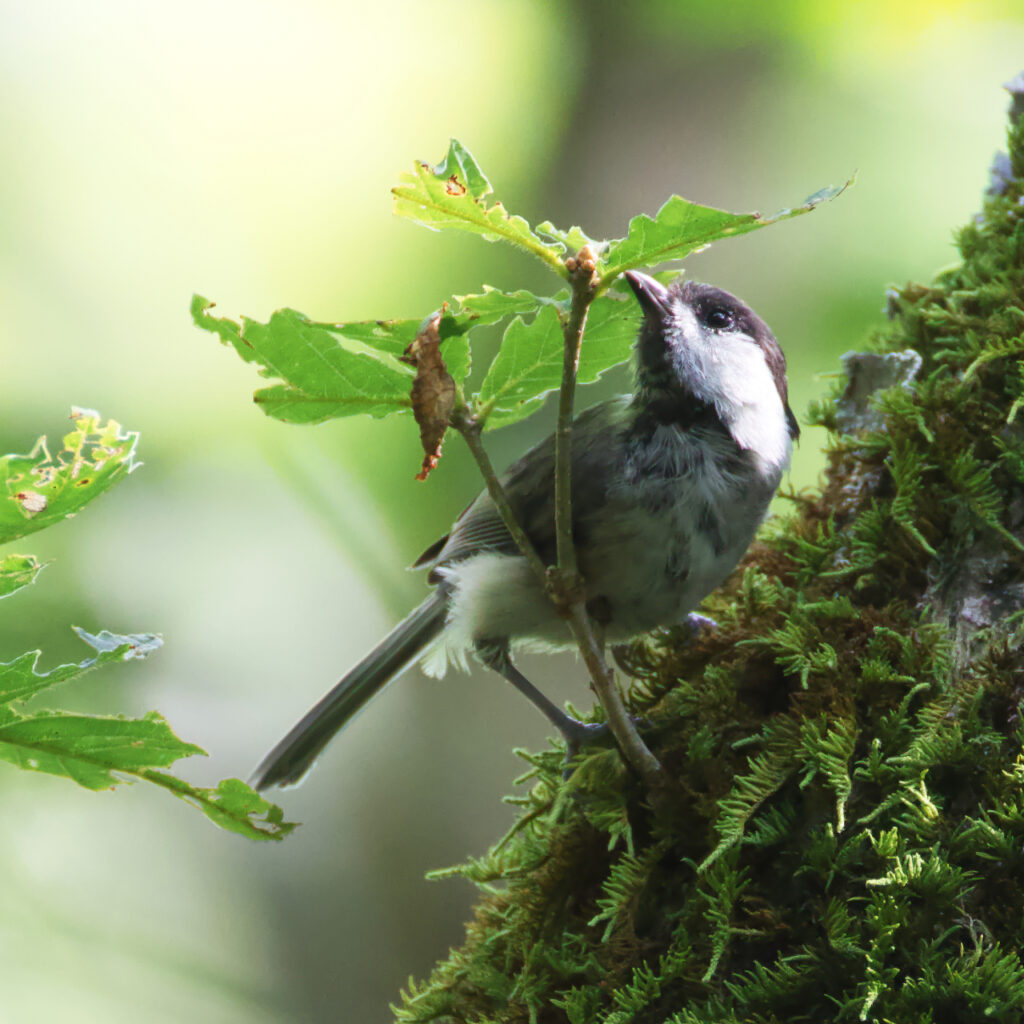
x=529 y=484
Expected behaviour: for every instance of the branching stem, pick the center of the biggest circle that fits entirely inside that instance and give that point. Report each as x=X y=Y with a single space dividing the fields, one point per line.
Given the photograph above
x=563 y=582
x=565 y=586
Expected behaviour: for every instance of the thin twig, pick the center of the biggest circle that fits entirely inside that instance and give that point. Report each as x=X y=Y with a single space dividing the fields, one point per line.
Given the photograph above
x=562 y=582
x=581 y=271
x=637 y=754
x=469 y=427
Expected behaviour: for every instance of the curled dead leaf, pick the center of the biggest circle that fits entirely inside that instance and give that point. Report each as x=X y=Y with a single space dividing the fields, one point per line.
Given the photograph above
x=433 y=391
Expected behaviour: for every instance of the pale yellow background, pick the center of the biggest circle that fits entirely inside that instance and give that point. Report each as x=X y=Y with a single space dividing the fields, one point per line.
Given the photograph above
x=245 y=151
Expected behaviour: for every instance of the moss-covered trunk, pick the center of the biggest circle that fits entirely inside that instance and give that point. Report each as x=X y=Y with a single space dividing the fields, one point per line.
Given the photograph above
x=846 y=839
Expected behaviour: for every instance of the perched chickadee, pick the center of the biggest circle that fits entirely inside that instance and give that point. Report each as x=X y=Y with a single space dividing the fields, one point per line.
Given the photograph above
x=669 y=486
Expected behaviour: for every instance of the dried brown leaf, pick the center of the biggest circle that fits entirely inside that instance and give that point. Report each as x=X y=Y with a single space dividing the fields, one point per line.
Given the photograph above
x=433 y=391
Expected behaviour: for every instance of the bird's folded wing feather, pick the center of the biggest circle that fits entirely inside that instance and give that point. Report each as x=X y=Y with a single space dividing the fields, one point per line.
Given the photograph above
x=529 y=484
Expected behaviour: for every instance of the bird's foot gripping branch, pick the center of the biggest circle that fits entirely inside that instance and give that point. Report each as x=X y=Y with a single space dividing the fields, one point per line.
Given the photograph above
x=512 y=567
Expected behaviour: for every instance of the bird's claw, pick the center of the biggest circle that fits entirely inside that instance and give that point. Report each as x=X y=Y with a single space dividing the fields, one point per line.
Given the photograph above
x=696 y=624
x=585 y=734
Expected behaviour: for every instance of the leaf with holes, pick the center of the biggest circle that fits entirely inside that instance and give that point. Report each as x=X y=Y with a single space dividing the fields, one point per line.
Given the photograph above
x=233 y=805
x=19 y=679
x=40 y=489
x=98 y=752
x=454 y=194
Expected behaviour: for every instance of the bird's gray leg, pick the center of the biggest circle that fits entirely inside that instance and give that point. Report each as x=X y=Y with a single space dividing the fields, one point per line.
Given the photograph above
x=494 y=654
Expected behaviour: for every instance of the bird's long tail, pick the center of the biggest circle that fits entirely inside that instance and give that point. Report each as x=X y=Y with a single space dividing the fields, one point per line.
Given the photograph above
x=286 y=764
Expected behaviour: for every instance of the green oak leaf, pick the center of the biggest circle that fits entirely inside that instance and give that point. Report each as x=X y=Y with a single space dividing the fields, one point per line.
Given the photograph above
x=40 y=489
x=611 y=330
x=98 y=751
x=572 y=240
x=325 y=375
x=329 y=370
x=17 y=571
x=681 y=227
x=494 y=305
x=528 y=366
x=19 y=679
x=88 y=748
x=233 y=805
x=454 y=195
x=454 y=332
x=85 y=748
x=393 y=337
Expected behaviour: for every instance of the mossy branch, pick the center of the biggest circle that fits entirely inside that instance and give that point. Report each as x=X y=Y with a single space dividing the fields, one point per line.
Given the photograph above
x=844 y=835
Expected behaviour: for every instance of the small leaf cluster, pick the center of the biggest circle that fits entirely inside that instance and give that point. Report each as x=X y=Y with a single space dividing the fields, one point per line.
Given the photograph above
x=845 y=841
x=96 y=751
x=330 y=370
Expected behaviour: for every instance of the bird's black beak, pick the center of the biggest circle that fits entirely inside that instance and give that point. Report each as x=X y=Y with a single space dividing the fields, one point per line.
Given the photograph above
x=653 y=297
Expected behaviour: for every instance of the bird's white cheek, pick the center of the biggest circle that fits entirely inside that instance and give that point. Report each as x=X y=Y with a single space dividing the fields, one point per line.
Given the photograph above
x=732 y=375
x=763 y=429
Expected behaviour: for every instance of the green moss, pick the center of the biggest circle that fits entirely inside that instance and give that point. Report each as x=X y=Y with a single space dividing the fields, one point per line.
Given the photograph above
x=846 y=836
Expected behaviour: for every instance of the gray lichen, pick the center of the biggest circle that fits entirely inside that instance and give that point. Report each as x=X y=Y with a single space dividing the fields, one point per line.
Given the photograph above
x=867 y=373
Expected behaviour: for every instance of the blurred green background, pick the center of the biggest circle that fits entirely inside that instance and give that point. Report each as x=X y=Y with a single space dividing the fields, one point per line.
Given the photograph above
x=245 y=151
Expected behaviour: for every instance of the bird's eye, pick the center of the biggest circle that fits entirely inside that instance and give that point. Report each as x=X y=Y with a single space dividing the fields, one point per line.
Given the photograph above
x=718 y=318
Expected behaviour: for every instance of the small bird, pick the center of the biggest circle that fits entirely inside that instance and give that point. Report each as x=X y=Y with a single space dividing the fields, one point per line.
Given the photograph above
x=669 y=485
